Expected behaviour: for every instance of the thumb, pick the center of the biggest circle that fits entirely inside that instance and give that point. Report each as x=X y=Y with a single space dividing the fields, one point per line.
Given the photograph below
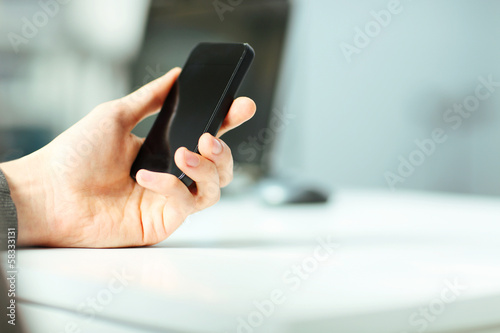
x=147 y=99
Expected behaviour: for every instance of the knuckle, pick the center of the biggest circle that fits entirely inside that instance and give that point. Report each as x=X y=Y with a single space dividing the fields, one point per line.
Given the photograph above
x=228 y=157
x=211 y=170
x=107 y=115
x=211 y=195
x=215 y=194
x=227 y=149
x=170 y=182
x=114 y=109
x=226 y=177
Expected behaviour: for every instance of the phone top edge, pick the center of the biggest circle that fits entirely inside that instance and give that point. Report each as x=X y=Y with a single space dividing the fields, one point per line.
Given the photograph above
x=210 y=53
x=249 y=49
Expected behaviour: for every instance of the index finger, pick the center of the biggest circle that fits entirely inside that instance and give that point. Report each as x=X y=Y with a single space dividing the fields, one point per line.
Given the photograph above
x=242 y=109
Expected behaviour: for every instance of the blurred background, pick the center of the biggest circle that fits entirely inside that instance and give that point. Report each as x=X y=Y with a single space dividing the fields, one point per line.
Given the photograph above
x=336 y=107
x=350 y=94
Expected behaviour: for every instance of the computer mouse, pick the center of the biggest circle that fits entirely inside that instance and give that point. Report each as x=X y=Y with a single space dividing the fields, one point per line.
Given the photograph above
x=281 y=192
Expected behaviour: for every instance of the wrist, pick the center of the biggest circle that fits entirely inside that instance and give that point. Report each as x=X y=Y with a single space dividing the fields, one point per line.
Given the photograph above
x=30 y=196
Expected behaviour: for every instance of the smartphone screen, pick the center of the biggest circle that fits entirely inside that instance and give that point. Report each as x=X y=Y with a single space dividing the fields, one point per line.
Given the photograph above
x=197 y=103
x=201 y=88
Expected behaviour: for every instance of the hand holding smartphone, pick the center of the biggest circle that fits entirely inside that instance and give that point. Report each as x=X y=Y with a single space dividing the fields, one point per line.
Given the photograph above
x=197 y=103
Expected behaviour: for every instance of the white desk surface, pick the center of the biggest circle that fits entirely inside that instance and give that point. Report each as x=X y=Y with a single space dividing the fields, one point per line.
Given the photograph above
x=396 y=250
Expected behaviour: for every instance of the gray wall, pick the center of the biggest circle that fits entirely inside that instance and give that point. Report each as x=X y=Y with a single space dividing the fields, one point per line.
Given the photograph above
x=354 y=119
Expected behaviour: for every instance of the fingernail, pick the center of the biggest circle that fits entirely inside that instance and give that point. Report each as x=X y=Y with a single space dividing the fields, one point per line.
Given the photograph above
x=146 y=176
x=192 y=159
x=216 y=147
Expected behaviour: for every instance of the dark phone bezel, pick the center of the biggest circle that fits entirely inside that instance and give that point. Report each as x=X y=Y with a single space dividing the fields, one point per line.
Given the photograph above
x=200 y=54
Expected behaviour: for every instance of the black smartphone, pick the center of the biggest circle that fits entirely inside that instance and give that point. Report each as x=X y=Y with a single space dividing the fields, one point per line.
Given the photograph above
x=197 y=103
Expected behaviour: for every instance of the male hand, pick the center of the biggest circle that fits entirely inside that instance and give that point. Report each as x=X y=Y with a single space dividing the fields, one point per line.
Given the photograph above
x=77 y=191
